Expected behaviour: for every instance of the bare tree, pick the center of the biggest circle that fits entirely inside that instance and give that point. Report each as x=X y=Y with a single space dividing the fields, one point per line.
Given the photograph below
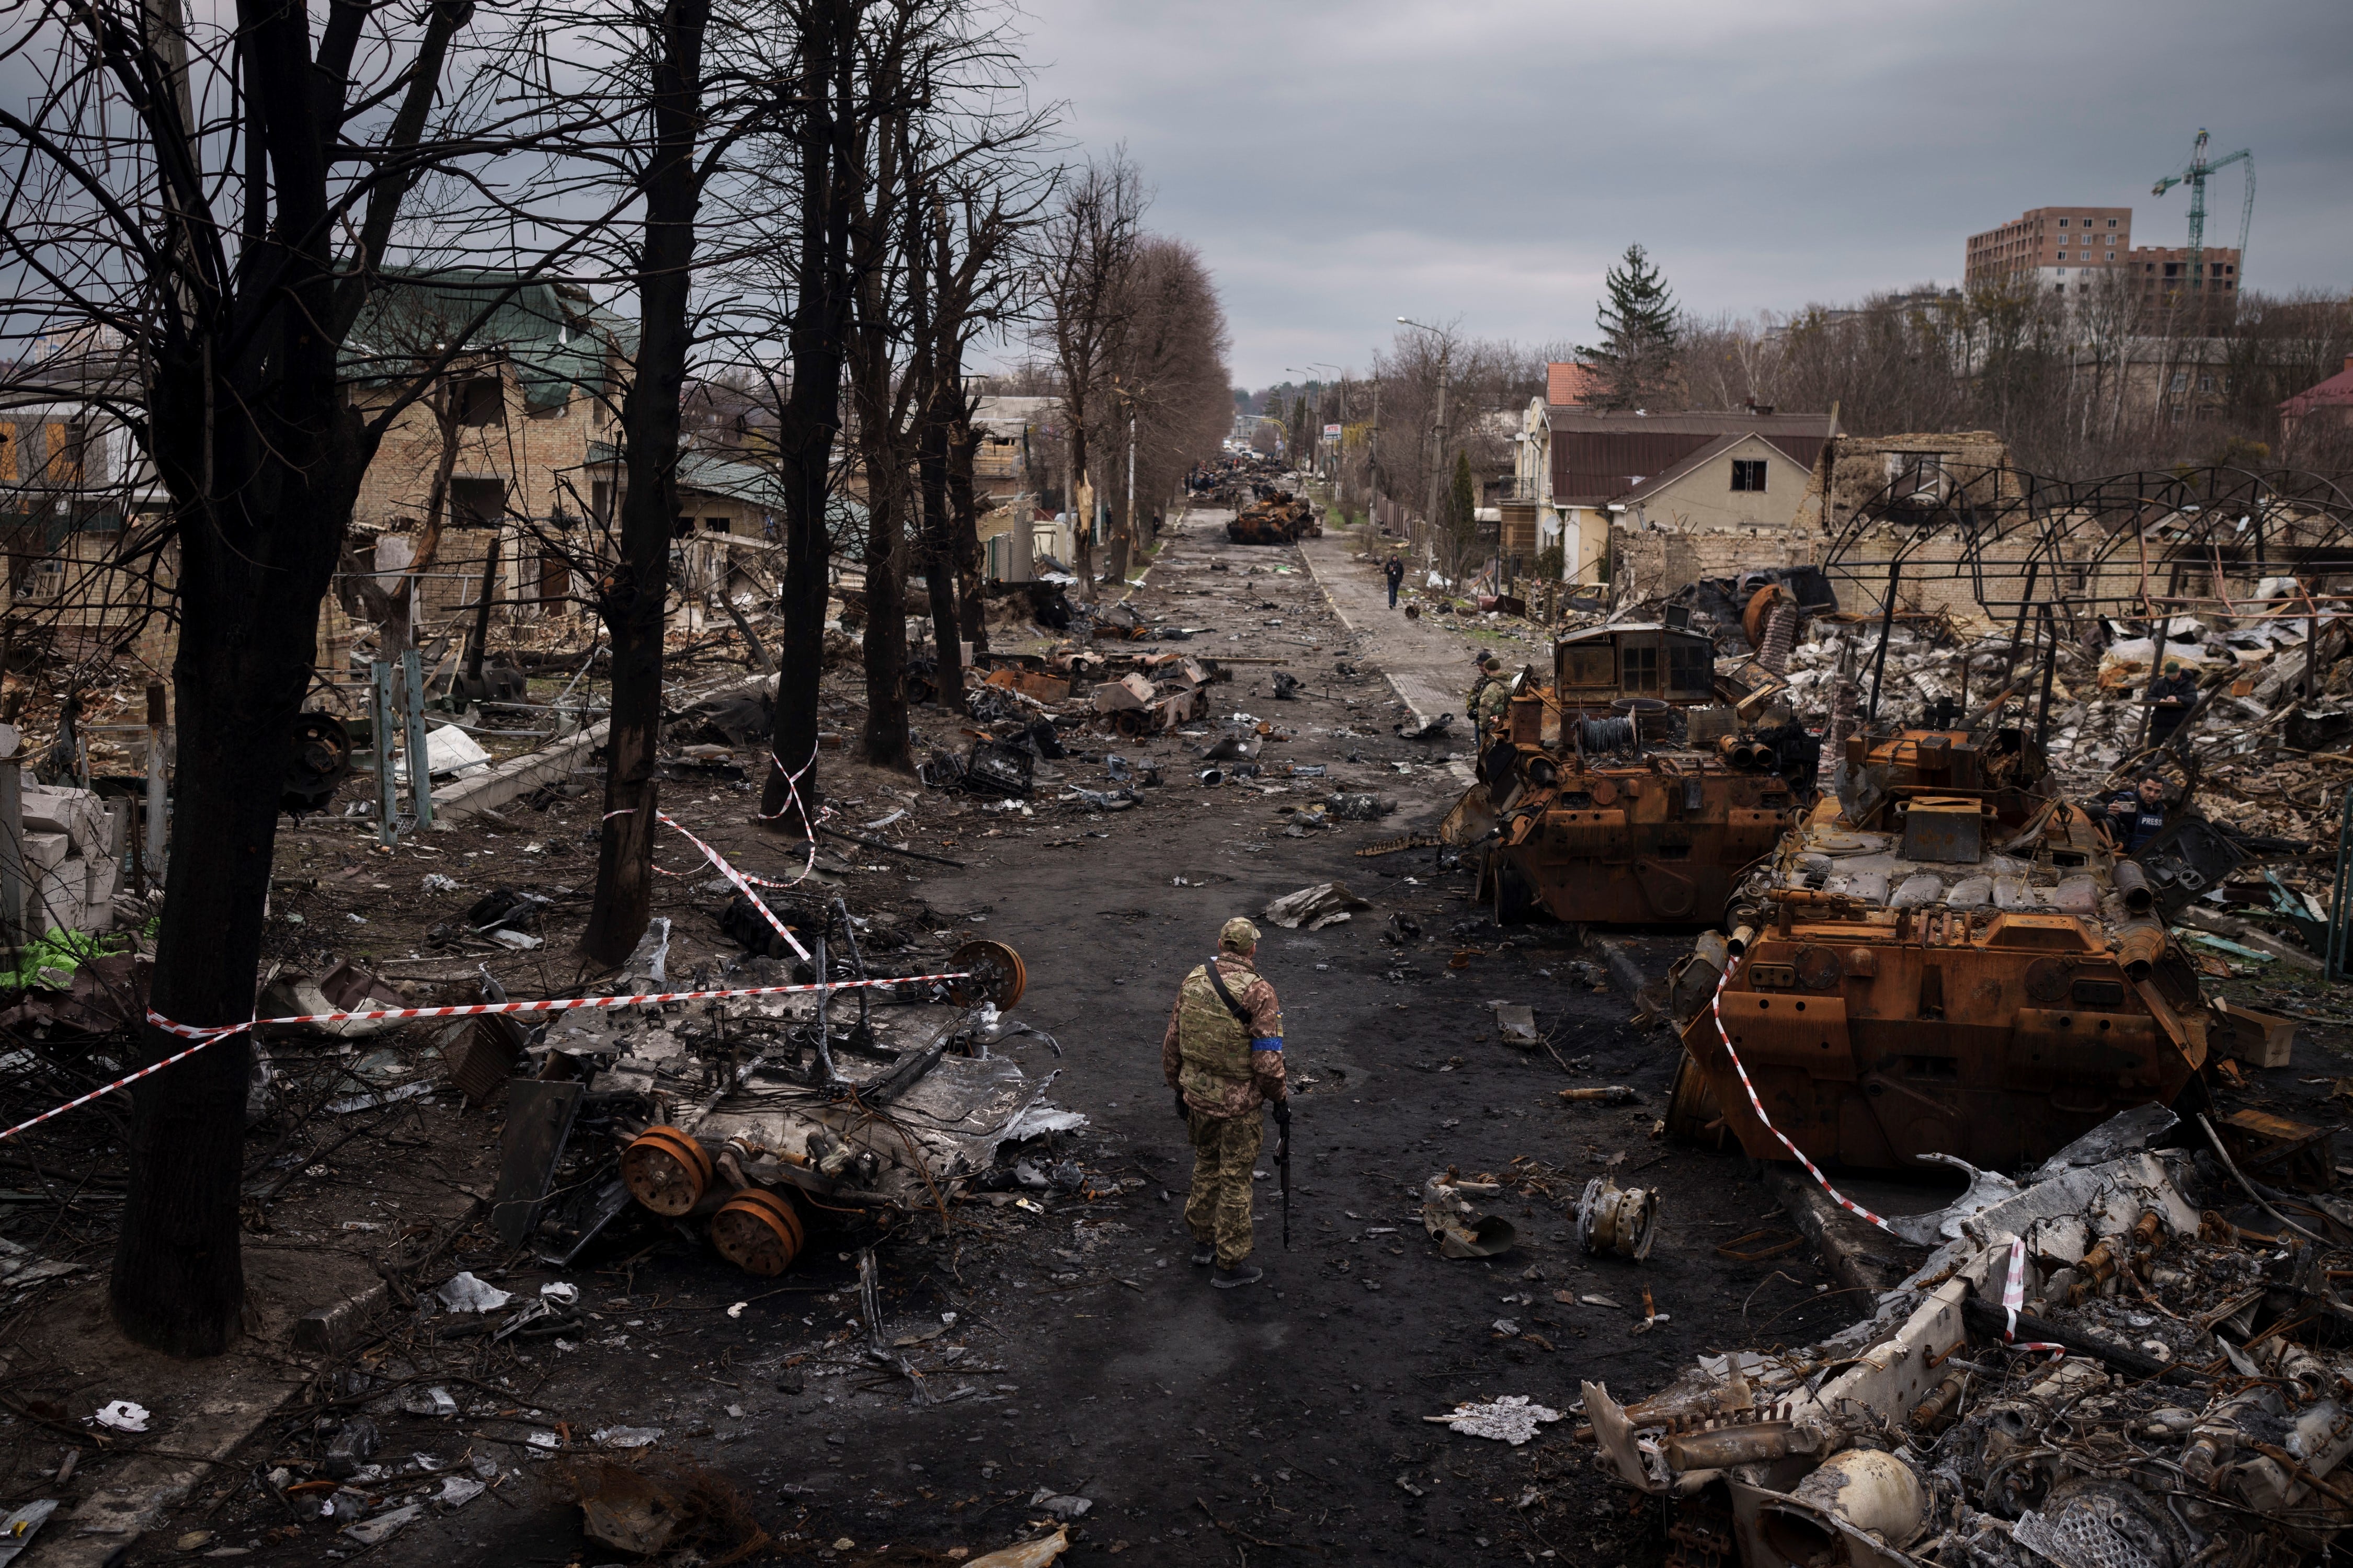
x=227 y=252
x=1169 y=399
x=1084 y=249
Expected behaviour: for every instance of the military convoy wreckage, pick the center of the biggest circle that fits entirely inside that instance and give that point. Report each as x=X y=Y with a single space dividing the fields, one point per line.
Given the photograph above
x=1638 y=788
x=1275 y=517
x=2131 y=1361
x=765 y=1117
x=1945 y=958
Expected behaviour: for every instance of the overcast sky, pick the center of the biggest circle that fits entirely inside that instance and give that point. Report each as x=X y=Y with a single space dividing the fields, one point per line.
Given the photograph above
x=1342 y=163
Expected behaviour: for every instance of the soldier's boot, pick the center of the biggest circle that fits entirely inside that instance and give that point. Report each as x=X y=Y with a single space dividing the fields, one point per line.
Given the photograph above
x=1204 y=1254
x=1242 y=1273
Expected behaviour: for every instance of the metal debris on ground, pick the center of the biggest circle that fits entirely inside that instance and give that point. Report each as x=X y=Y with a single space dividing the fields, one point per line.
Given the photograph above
x=1510 y=1418
x=2138 y=1356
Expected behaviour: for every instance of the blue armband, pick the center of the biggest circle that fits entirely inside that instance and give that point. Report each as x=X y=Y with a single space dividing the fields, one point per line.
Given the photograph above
x=1267 y=1043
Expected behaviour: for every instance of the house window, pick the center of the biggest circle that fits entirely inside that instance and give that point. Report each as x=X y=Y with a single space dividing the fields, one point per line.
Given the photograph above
x=2063 y=223
x=2180 y=381
x=1748 y=474
x=714 y=525
x=2205 y=384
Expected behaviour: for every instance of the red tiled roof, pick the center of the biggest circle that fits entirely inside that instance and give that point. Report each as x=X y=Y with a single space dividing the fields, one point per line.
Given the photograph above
x=2337 y=388
x=1567 y=382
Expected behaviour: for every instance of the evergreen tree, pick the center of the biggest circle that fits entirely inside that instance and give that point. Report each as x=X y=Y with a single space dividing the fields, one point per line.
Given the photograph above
x=1641 y=332
x=1462 y=521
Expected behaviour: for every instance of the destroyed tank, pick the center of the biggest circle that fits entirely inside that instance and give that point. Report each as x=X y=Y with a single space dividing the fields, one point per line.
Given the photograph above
x=1944 y=959
x=1280 y=518
x=1635 y=790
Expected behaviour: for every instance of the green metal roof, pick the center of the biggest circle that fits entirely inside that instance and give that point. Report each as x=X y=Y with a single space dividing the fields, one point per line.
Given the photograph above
x=557 y=339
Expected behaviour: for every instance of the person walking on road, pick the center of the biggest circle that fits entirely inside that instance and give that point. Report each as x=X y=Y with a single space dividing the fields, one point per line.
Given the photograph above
x=1222 y=1055
x=1394 y=569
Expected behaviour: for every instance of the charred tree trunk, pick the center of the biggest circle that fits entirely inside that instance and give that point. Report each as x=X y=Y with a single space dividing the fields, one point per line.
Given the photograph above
x=633 y=605
x=826 y=150
x=964 y=507
x=885 y=742
x=258 y=543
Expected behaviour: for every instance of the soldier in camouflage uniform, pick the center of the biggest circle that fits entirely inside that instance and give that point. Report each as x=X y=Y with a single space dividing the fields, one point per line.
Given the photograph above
x=1490 y=697
x=1223 y=1056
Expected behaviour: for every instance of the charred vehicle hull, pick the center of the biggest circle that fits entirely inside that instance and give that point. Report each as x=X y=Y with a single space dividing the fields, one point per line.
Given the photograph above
x=1625 y=792
x=1973 y=973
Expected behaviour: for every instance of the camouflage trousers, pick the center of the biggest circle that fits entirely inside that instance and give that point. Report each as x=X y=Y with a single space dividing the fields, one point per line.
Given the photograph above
x=1225 y=1148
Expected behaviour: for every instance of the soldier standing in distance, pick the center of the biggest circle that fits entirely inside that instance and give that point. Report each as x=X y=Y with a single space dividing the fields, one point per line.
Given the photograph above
x=1223 y=1056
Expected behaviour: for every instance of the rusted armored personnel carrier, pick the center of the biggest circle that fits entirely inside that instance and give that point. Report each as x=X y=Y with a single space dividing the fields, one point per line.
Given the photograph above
x=1635 y=789
x=1275 y=518
x=1945 y=958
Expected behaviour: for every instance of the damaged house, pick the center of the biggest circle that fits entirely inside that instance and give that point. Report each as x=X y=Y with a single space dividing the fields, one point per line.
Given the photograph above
x=1652 y=501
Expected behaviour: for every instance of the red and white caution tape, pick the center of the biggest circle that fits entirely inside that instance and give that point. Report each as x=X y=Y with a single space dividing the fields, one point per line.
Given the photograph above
x=1716 y=1007
x=742 y=880
x=2014 y=1297
x=206 y=1034
x=2013 y=1291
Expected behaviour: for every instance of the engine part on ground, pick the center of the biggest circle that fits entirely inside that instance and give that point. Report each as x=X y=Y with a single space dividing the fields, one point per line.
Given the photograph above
x=319 y=758
x=1619 y=1221
x=1458 y=1226
x=1865 y=1489
x=992 y=973
x=666 y=1170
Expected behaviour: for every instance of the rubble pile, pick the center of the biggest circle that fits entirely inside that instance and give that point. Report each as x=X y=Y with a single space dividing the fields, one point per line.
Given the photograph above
x=2135 y=1357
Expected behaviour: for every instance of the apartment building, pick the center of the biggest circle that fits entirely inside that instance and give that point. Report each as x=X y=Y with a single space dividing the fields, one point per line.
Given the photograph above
x=2068 y=249
x=2057 y=244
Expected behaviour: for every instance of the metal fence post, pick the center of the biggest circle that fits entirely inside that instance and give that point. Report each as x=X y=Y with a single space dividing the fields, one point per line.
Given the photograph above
x=380 y=719
x=420 y=765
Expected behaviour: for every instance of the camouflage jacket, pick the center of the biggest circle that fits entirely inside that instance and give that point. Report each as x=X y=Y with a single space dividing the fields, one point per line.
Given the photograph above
x=1224 y=1069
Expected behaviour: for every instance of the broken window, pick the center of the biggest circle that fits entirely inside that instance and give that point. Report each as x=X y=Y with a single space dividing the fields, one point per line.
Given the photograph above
x=481 y=400
x=1919 y=474
x=477 y=503
x=1748 y=474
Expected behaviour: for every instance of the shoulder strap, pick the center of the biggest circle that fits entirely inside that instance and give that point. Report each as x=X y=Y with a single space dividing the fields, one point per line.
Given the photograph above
x=1217 y=984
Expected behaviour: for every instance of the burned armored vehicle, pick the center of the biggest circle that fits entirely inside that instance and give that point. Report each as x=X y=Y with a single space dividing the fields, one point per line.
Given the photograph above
x=1277 y=517
x=1946 y=958
x=1637 y=788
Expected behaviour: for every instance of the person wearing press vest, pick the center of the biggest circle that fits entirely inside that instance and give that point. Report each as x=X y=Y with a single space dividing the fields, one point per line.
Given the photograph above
x=1223 y=1056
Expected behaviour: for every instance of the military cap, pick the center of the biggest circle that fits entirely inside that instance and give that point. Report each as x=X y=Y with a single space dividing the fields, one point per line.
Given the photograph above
x=1238 y=934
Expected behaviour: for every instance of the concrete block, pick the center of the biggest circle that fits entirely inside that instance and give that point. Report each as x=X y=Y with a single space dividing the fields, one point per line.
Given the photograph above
x=46 y=851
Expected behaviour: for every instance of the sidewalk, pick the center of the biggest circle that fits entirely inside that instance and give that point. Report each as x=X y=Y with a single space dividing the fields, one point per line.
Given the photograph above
x=1427 y=662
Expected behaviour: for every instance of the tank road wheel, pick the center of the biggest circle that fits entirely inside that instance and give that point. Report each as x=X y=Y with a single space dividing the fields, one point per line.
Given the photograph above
x=759 y=1231
x=666 y=1170
x=993 y=972
x=1690 y=1101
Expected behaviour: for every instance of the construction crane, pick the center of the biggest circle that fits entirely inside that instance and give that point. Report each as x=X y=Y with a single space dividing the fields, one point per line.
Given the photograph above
x=2194 y=177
